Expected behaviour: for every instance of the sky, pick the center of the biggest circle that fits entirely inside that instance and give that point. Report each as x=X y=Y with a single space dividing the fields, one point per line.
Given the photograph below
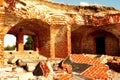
x=113 y=3
x=10 y=40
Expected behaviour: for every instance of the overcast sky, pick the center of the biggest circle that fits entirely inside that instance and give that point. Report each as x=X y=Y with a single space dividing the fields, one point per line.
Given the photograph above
x=10 y=40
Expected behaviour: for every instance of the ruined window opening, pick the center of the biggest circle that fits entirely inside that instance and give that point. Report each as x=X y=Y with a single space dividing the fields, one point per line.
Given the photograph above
x=9 y=42
x=28 y=42
x=100 y=45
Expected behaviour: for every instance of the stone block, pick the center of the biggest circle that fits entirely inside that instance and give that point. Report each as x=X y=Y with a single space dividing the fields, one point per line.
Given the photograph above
x=114 y=65
x=18 y=69
x=9 y=78
x=30 y=67
x=12 y=60
x=20 y=63
x=38 y=70
x=8 y=69
x=46 y=68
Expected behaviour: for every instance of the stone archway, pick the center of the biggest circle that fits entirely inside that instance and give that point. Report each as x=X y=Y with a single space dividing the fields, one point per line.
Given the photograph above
x=40 y=32
x=101 y=42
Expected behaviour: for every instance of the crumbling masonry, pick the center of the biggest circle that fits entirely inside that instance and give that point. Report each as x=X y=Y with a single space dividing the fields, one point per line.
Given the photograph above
x=58 y=29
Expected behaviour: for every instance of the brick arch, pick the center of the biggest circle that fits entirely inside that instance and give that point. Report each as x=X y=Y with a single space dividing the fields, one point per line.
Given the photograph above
x=111 y=42
x=36 y=28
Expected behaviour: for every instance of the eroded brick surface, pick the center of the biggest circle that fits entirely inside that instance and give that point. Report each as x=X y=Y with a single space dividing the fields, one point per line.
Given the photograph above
x=65 y=77
x=97 y=70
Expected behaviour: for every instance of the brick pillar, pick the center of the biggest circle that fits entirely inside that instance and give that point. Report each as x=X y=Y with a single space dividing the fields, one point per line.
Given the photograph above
x=2 y=20
x=69 y=39
x=52 y=42
x=60 y=40
x=20 y=42
x=1 y=49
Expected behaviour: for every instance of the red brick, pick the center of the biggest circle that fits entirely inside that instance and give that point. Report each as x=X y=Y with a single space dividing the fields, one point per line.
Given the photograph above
x=1 y=2
x=46 y=68
x=96 y=72
x=67 y=67
x=65 y=77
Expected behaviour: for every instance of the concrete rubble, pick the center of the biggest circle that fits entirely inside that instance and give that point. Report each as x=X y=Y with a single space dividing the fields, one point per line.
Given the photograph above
x=114 y=64
x=73 y=67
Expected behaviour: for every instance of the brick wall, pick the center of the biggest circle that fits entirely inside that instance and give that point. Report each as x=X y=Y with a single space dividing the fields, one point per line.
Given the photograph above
x=1 y=49
x=44 y=42
x=2 y=14
x=83 y=39
x=1 y=2
x=61 y=48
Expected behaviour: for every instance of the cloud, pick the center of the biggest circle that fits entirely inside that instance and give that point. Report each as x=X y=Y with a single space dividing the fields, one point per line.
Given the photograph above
x=84 y=4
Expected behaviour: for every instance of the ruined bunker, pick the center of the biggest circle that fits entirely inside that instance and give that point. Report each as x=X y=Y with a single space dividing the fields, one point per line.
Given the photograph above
x=59 y=30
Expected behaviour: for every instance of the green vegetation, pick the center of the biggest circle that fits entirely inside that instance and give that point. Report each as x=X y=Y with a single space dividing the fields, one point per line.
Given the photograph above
x=29 y=44
x=10 y=47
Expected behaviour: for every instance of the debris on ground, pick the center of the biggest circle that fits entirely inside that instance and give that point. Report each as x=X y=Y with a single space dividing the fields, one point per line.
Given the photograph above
x=73 y=67
x=114 y=64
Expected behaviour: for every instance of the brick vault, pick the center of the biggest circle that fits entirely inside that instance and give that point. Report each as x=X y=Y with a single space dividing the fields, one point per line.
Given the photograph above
x=59 y=29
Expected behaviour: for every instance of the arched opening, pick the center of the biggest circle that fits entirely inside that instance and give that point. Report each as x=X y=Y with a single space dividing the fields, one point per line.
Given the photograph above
x=28 y=42
x=37 y=31
x=10 y=42
x=100 y=45
x=101 y=42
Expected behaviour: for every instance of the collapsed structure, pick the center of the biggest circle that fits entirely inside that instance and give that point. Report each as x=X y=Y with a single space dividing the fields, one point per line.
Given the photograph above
x=59 y=30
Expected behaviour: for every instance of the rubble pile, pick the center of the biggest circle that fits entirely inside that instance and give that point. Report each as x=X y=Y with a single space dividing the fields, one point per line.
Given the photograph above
x=91 y=68
x=114 y=64
x=73 y=67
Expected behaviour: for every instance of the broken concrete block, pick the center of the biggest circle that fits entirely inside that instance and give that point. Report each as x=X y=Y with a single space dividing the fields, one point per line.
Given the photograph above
x=38 y=70
x=10 y=78
x=30 y=67
x=18 y=69
x=67 y=67
x=7 y=69
x=114 y=65
x=12 y=60
x=89 y=67
x=20 y=63
x=70 y=66
x=55 y=67
x=46 y=68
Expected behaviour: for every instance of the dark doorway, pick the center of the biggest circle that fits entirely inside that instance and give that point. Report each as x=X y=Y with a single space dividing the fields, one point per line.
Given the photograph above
x=100 y=45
